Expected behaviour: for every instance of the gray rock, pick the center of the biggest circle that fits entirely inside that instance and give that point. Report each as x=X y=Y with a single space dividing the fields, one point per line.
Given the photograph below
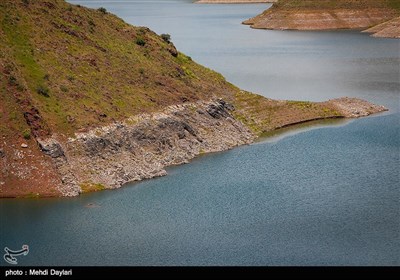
x=120 y=153
x=51 y=148
x=23 y=145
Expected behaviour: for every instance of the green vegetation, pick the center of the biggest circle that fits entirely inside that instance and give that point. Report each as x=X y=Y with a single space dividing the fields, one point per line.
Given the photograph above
x=166 y=38
x=140 y=41
x=91 y=187
x=74 y=63
x=102 y=10
x=42 y=90
x=32 y=195
x=26 y=134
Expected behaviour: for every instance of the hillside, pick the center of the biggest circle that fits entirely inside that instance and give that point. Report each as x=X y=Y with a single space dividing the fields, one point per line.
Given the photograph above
x=327 y=14
x=89 y=102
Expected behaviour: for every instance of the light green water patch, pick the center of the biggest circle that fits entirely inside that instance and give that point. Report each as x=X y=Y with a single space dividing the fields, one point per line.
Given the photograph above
x=278 y=134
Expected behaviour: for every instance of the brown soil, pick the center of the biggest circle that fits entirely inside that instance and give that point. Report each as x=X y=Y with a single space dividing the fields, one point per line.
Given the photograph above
x=234 y=1
x=26 y=172
x=320 y=19
x=389 y=29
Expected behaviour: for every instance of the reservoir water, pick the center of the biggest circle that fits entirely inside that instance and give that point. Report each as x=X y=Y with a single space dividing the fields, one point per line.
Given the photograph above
x=319 y=195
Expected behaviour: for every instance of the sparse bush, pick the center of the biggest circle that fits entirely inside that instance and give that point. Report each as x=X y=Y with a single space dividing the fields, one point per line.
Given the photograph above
x=166 y=38
x=63 y=88
x=102 y=10
x=26 y=2
x=141 y=71
x=69 y=9
x=142 y=30
x=140 y=41
x=42 y=90
x=12 y=81
x=70 y=78
x=46 y=77
x=91 y=23
x=26 y=134
x=20 y=87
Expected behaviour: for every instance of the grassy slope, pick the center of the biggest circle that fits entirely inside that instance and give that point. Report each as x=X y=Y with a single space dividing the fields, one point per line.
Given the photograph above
x=91 y=67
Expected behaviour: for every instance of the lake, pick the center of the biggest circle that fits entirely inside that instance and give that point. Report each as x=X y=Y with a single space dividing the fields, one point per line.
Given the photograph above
x=323 y=194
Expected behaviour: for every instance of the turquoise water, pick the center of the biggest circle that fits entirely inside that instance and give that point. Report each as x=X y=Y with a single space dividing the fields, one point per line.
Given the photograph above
x=321 y=195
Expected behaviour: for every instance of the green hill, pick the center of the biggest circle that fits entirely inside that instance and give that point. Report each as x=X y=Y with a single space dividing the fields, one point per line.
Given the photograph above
x=80 y=68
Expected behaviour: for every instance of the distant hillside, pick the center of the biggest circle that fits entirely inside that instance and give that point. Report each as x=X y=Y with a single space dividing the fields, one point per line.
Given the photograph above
x=89 y=102
x=327 y=14
x=234 y=1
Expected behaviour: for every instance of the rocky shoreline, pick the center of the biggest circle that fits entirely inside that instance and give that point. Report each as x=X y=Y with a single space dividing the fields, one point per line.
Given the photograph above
x=234 y=1
x=380 y=21
x=142 y=146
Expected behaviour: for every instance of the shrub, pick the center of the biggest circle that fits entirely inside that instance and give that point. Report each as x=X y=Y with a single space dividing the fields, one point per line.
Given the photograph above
x=140 y=41
x=20 y=87
x=42 y=90
x=102 y=10
x=63 y=88
x=141 y=71
x=46 y=77
x=166 y=38
x=26 y=2
x=26 y=134
x=12 y=81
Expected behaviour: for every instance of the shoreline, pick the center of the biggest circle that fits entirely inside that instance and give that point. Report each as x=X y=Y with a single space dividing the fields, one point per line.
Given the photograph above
x=144 y=145
x=381 y=21
x=234 y=1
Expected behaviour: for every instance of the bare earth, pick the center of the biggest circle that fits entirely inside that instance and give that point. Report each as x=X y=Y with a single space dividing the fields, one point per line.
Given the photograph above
x=389 y=29
x=234 y=1
x=320 y=19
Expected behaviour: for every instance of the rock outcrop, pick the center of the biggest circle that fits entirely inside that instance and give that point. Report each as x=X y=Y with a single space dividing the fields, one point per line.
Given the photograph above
x=234 y=1
x=329 y=15
x=389 y=29
x=142 y=146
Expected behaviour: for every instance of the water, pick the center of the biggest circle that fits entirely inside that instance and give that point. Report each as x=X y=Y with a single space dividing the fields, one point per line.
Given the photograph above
x=316 y=196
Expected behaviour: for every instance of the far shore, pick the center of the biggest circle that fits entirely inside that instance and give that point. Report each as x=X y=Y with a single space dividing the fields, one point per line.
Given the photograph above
x=234 y=1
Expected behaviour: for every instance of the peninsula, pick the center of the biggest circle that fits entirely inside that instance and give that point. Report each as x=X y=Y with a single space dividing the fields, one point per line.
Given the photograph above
x=89 y=102
x=381 y=18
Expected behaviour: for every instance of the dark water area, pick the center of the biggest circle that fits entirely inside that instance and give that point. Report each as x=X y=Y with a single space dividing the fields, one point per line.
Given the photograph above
x=324 y=194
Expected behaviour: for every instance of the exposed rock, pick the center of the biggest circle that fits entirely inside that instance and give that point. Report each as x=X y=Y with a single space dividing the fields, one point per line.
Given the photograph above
x=329 y=15
x=234 y=1
x=119 y=153
x=355 y=108
x=389 y=29
x=172 y=50
x=24 y=145
x=319 y=19
x=51 y=148
x=2 y=154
